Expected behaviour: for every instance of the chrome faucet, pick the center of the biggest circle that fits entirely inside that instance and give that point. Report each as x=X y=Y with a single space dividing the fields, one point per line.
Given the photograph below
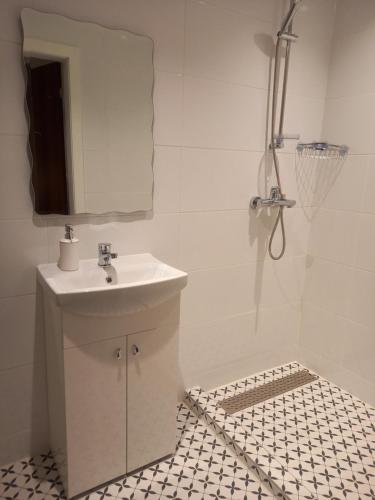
x=276 y=199
x=105 y=255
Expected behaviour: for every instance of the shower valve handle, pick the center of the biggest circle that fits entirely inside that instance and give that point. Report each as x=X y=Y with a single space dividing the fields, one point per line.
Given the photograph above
x=275 y=199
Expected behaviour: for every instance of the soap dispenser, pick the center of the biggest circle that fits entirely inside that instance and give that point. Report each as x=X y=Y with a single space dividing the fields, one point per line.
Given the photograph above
x=69 y=260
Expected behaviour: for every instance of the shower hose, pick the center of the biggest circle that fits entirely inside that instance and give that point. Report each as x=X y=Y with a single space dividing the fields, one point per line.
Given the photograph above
x=280 y=215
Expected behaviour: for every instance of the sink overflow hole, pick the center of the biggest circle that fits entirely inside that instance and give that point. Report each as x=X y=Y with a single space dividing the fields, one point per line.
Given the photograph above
x=108 y=279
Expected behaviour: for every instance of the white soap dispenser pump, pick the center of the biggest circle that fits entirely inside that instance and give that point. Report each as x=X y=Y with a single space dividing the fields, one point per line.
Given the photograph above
x=69 y=259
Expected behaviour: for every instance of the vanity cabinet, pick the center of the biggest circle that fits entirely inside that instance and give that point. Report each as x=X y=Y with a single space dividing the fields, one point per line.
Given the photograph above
x=112 y=384
x=152 y=371
x=95 y=399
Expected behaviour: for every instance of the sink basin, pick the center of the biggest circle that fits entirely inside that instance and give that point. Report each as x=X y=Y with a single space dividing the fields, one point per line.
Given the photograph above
x=132 y=283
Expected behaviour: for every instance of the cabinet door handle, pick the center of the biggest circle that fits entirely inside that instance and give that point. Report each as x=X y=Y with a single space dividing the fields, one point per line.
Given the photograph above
x=118 y=354
x=135 y=350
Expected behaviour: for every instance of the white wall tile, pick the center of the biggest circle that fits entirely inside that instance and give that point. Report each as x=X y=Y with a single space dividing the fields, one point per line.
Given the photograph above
x=351 y=121
x=220 y=44
x=15 y=174
x=327 y=285
x=219 y=180
x=168 y=102
x=322 y=332
x=24 y=246
x=336 y=373
x=217 y=293
x=298 y=178
x=298 y=108
x=334 y=235
x=276 y=328
x=203 y=244
x=254 y=362
x=235 y=290
x=246 y=237
x=351 y=55
x=23 y=396
x=159 y=236
x=223 y=116
x=10 y=24
x=281 y=282
x=359 y=355
x=315 y=19
x=308 y=75
x=368 y=201
x=26 y=443
x=337 y=181
x=297 y=226
x=264 y=10
x=219 y=345
x=366 y=242
x=360 y=303
x=332 y=335
x=351 y=19
x=167 y=179
x=22 y=335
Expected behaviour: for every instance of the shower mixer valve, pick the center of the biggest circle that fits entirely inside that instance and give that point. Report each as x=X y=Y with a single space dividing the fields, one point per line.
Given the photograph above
x=276 y=199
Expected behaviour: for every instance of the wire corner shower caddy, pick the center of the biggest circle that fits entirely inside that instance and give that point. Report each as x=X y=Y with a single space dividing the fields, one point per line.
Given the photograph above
x=322 y=150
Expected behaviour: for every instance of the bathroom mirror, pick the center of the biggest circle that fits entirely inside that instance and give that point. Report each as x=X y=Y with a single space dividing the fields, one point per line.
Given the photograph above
x=89 y=95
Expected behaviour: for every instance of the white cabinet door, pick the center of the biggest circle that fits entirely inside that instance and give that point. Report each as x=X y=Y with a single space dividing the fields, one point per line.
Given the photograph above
x=152 y=395
x=95 y=393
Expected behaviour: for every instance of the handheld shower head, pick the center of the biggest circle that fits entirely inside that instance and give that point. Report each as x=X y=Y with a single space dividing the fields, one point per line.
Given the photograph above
x=289 y=17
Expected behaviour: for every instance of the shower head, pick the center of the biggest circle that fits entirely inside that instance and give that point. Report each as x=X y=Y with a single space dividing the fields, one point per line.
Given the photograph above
x=289 y=17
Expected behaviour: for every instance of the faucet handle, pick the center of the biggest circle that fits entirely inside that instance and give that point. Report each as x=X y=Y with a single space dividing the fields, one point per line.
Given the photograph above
x=275 y=193
x=105 y=254
x=104 y=247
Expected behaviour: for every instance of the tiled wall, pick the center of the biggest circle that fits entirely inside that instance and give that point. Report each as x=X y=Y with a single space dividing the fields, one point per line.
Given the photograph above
x=240 y=311
x=250 y=312
x=338 y=311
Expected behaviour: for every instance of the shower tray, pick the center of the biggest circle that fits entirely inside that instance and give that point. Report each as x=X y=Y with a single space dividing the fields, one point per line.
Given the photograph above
x=313 y=441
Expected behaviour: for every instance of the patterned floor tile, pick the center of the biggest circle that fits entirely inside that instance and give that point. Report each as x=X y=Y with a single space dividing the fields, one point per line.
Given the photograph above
x=317 y=434
x=315 y=442
x=202 y=468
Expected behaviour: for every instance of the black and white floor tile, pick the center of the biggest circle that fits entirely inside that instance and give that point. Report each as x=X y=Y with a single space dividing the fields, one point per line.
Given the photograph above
x=202 y=468
x=317 y=441
x=31 y=478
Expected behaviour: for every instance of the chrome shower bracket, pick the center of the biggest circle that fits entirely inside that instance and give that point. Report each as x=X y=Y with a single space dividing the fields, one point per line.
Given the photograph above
x=288 y=37
x=279 y=140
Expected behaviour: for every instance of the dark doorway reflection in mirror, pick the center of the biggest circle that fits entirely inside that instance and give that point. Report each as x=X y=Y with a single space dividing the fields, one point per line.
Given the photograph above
x=46 y=136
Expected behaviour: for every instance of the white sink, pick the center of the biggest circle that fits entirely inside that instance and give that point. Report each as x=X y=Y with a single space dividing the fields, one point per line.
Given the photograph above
x=132 y=283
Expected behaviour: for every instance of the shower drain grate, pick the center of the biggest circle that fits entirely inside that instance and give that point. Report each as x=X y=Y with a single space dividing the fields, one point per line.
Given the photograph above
x=266 y=391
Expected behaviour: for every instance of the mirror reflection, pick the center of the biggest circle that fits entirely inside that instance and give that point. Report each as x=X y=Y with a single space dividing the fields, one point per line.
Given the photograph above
x=89 y=95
